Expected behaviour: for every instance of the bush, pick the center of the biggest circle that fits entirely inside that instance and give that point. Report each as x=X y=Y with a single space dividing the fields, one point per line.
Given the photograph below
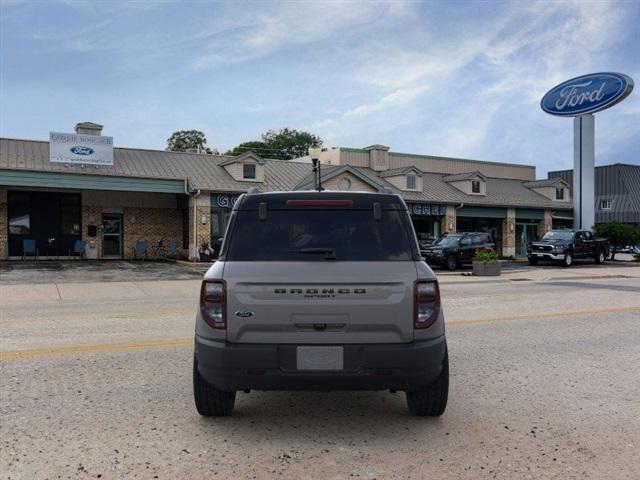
x=482 y=256
x=619 y=234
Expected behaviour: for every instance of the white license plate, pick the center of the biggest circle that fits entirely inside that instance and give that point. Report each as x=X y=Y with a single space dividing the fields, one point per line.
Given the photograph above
x=320 y=358
x=539 y=255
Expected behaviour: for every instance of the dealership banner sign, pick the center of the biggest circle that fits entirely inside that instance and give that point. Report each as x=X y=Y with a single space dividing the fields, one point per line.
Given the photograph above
x=80 y=149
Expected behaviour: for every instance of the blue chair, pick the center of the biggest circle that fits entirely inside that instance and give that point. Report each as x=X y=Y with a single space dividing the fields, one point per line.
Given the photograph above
x=29 y=248
x=172 y=249
x=79 y=248
x=142 y=249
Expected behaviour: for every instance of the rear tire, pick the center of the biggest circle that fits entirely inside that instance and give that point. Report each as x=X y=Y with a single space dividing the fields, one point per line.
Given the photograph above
x=568 y=260
x=432 y=401
x=451 y=263
x=211 y=402
x=533 y=261
x=600 y=257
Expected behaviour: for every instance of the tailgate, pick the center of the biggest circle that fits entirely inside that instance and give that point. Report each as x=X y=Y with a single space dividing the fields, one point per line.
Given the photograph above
x=320 y=302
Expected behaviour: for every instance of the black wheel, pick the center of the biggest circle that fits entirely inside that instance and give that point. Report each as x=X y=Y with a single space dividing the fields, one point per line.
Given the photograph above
x=432 y=401
x=211 y=402
x=533 y=260
x=600 y=257
x=451 y=263
x=568 y=260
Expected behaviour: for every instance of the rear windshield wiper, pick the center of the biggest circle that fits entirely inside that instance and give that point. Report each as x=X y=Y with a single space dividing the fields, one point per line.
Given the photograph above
x=329 y=253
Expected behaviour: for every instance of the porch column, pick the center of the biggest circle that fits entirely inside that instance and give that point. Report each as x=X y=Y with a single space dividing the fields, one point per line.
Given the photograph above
x=509 y=234
x=201 y=222
x=545 y=224
x=448 y=222
x=4 y=227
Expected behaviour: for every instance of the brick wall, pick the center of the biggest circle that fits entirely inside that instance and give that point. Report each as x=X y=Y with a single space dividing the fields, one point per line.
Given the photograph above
x=152 y=225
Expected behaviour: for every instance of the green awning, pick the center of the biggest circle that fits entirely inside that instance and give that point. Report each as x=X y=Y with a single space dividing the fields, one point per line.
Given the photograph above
x=482 y=212
x=29 y=178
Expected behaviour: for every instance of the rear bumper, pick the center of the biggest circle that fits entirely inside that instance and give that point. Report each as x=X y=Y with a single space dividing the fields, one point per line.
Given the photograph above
x=408 y=367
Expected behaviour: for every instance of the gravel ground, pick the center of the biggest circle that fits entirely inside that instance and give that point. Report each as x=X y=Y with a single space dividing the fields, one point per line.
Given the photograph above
x=549 y=389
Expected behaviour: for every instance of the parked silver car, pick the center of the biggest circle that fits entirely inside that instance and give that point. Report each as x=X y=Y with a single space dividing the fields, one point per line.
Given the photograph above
x=320 y=291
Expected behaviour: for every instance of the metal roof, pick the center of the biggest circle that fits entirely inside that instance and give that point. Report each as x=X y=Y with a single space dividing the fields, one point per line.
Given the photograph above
x=201 y=170
x=205 y=172
x=463 y=176
x=620 y=184
x=547 y=182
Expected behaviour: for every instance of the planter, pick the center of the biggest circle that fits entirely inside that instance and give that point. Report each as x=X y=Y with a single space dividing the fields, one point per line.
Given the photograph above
x=486 y=269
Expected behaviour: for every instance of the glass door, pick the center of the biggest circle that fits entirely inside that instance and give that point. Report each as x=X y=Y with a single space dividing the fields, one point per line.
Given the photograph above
x=111 y=235
x=525 y=233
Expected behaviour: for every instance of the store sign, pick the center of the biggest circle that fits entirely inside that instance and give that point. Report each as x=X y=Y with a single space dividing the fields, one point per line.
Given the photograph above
x=80 y=149
x=426 y=209
x=587 y=94
x=226 y=201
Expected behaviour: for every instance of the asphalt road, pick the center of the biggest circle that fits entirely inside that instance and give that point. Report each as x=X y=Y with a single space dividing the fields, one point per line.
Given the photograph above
x=545 y=384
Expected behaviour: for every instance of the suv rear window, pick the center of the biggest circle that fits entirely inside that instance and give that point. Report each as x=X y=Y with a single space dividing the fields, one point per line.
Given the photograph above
x=319 y=235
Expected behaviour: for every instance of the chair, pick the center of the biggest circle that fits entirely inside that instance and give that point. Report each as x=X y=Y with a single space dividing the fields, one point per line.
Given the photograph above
x=141 y=248
x=79 y=248
x=29 y=248
x=172 y=249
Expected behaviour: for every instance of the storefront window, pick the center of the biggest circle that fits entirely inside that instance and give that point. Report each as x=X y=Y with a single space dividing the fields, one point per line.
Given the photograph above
x=19 y=220
x=19 y=217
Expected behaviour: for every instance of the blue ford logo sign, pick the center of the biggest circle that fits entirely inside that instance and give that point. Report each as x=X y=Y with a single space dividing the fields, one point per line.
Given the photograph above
x=587 y=94
x=79 y=150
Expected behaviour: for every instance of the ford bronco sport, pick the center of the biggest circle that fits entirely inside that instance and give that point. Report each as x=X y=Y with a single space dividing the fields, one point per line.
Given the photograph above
x=320 y=291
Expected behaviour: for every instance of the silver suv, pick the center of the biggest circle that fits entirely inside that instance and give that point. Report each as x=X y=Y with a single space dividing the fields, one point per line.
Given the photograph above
x=320 y=291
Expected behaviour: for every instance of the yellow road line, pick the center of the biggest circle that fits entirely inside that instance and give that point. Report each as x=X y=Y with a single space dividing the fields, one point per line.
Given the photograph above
x=165 y=313
x=104 y=347
x=179 y=342
x=574 y=313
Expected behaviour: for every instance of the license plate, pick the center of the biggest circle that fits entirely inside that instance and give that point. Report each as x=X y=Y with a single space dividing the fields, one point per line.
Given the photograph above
x=539 y=255
x=320 y=358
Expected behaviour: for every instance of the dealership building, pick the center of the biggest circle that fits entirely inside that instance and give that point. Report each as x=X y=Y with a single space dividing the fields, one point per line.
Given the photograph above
x=112 y=198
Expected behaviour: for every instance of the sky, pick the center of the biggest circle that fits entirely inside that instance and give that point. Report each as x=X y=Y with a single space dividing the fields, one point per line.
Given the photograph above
x=451 y=78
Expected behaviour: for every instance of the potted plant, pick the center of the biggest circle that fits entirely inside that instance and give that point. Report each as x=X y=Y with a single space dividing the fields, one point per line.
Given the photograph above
x=486 y=264
x=205 y=252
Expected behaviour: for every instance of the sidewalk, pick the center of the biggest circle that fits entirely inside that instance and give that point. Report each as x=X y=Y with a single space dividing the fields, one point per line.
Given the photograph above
x=93 y=288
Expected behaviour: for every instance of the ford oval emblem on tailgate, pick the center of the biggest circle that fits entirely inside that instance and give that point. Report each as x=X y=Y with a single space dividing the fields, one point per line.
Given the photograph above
x=244 y=314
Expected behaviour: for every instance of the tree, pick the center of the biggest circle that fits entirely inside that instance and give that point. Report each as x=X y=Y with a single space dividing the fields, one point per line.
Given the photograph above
x=257 y=147
x=619 y=234
x=284 y=144
x=188 y=141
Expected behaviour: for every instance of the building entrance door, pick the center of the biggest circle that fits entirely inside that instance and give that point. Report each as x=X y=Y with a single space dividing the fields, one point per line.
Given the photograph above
x=525 y=233
x=112 y=235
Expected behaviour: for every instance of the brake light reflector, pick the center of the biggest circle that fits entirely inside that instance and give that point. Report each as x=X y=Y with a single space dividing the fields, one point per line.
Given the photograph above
x=213 y=303
x=426 y=303
x=320 y=203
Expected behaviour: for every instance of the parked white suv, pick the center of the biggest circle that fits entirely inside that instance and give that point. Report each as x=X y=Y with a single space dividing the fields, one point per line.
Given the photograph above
x=320 y=291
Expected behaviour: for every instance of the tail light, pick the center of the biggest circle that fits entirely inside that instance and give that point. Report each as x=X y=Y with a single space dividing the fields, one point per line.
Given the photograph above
x=426 y=303
x=213 y=303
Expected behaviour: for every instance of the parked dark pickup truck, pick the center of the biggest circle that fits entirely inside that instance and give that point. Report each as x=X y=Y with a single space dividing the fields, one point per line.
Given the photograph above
x=565 y=246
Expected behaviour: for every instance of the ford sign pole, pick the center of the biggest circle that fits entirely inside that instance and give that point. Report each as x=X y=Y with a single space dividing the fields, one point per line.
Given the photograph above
x=584 y=171
x=580 y=97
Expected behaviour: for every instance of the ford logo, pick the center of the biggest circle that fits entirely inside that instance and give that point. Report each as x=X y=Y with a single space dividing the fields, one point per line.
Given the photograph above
x=79 y=150
x=587 y=94
x=244 y=314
